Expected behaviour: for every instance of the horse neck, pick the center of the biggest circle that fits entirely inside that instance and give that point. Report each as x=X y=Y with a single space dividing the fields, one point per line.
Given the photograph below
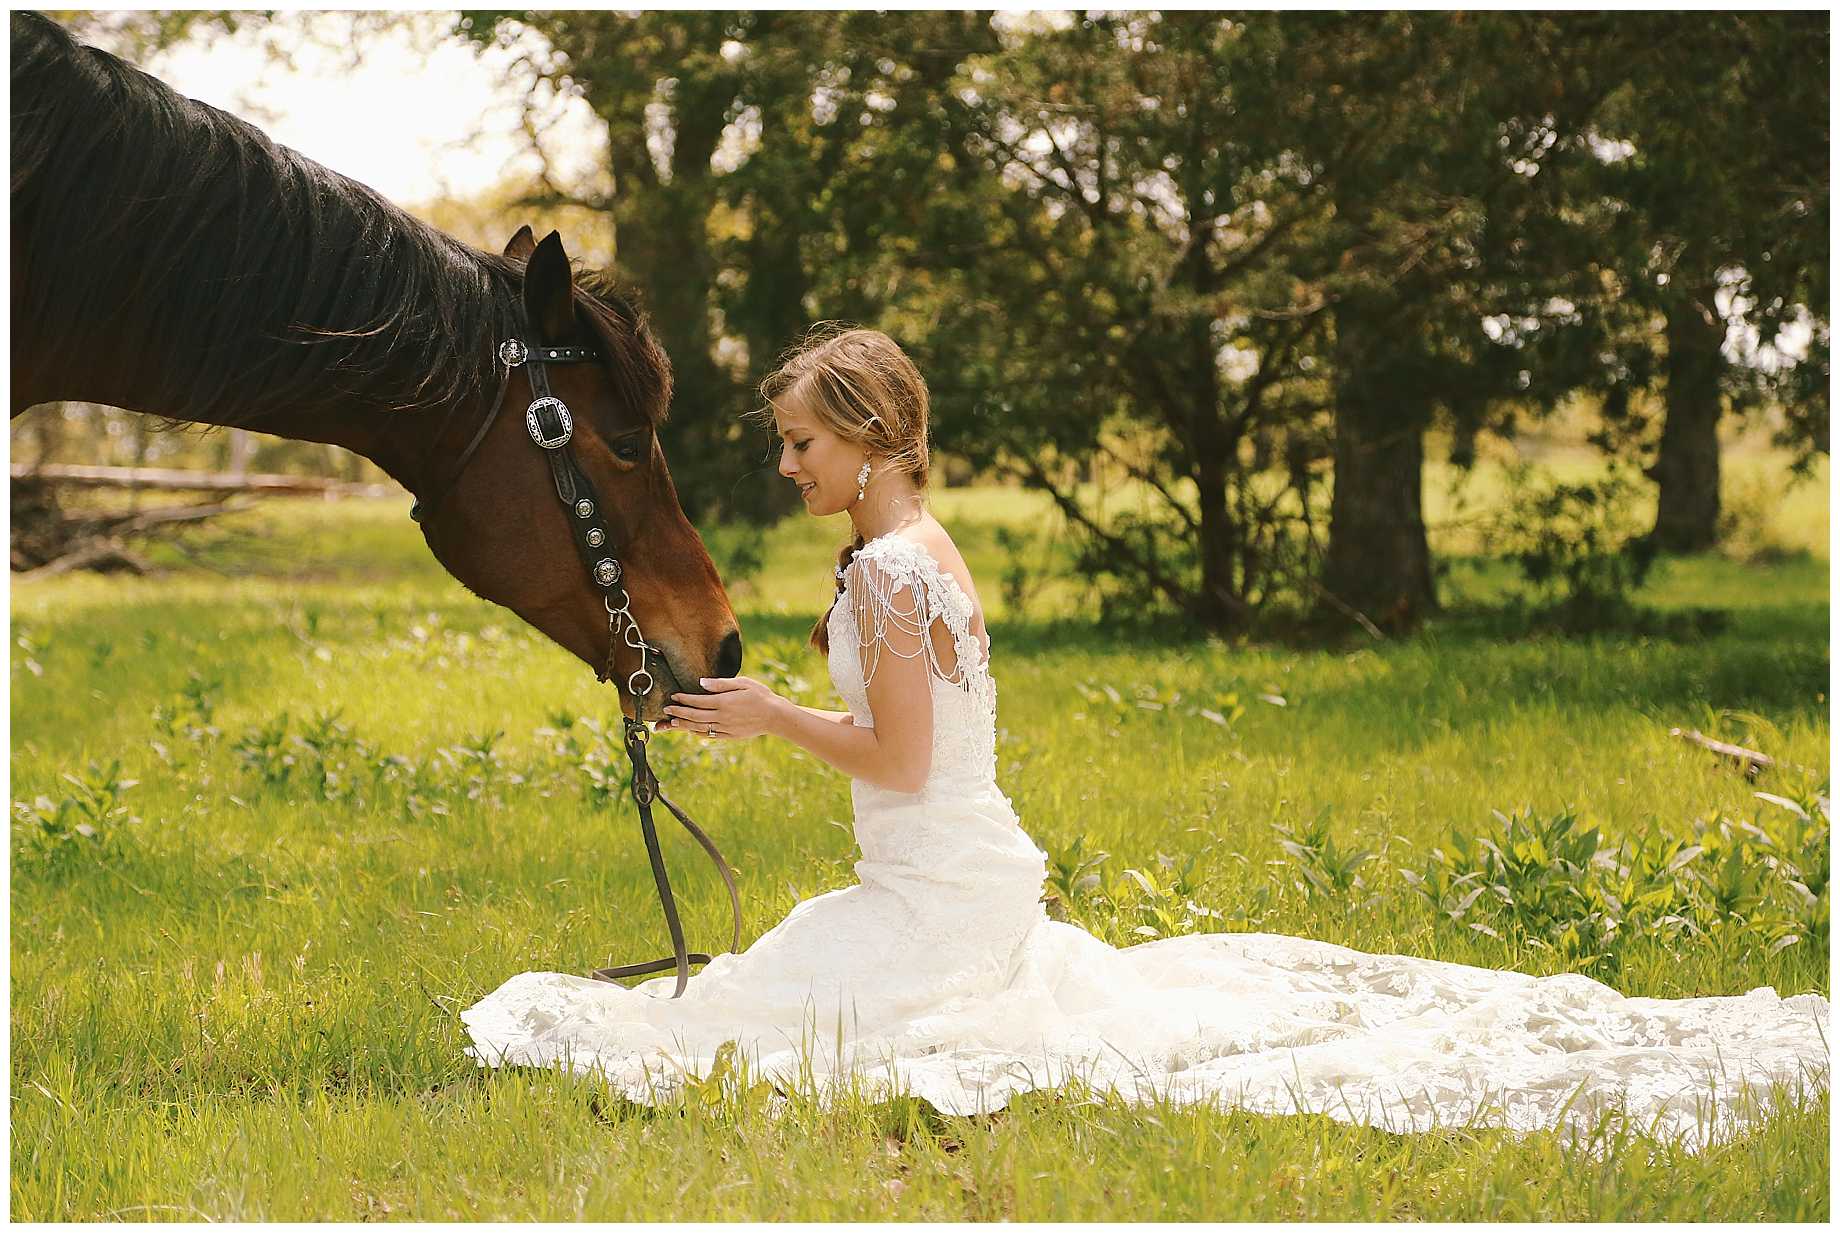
x=228 y=281
x=109 y=358
x=403 y=444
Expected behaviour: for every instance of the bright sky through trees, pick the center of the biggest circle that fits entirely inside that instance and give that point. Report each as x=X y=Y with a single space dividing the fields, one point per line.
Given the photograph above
x=408 y=110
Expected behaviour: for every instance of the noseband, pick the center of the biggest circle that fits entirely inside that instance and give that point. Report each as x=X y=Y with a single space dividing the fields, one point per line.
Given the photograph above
x=551 y=427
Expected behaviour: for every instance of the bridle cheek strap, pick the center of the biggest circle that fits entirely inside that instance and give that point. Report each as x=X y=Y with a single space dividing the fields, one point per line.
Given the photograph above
x=551 y=428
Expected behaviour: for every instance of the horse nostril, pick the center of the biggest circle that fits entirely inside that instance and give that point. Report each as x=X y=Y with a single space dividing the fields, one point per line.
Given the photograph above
x=728 y=657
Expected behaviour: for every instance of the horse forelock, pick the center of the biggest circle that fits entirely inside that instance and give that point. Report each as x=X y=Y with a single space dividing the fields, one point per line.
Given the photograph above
x=635 y=359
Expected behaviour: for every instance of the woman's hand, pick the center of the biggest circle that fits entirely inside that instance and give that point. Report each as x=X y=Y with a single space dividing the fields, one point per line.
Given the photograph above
x=735 y=707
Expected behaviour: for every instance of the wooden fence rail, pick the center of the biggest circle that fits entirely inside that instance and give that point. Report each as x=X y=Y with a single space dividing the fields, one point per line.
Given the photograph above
x=168 y=479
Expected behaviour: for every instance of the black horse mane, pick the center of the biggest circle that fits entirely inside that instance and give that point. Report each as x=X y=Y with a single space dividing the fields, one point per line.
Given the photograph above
x=241 y=276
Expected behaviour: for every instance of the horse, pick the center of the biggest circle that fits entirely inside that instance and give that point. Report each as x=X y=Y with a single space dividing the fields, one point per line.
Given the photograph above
x=169 y=258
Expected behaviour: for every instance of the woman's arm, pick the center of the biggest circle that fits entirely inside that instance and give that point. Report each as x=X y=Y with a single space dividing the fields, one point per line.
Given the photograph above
x=836 y=717
x=897 y=753
x=694 y=713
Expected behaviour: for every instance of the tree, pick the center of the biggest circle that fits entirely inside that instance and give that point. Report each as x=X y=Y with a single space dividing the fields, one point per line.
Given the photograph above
x=1228 y=250
x=1454 y=272
x=1724 y=231
x=1119 y=291
x=665 y=91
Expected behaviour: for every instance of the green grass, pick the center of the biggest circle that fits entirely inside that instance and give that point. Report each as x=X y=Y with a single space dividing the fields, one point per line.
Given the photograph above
x=241 y=1004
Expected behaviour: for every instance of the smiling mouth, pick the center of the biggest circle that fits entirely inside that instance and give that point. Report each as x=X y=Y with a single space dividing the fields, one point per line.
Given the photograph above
x=806 y=489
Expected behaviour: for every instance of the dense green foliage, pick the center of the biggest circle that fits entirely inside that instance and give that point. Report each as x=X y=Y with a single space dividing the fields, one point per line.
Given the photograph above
x=1241 y=260
x=1242 y=264
x=277 y=818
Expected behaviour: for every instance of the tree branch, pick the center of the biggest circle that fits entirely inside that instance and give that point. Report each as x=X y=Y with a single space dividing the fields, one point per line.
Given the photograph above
x=1138 y=473
x=1036 y=477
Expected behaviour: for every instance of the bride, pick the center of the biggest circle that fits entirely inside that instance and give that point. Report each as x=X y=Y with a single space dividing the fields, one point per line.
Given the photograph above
x=940 y=975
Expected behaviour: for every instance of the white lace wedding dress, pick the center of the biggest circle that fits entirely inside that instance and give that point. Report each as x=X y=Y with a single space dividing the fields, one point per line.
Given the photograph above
x=939 y=975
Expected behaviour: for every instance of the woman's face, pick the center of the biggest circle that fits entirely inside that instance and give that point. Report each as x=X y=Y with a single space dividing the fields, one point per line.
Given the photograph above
x=822 y=464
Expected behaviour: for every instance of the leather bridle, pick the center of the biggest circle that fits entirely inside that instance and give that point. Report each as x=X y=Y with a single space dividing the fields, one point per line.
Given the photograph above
x=551 y=427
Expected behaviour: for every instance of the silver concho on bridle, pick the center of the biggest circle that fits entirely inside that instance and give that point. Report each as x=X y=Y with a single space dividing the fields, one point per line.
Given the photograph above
x=534 y=422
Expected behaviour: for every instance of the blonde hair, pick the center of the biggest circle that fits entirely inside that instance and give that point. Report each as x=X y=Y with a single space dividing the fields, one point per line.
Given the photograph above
x=860 y=385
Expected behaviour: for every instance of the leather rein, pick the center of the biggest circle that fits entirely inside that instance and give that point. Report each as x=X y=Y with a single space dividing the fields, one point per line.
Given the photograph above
x=551 y=427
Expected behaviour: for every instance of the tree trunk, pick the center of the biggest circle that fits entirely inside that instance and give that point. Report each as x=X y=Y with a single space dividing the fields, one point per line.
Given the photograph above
x=1379 y=561
x=1687 y=469
x=1220 y=606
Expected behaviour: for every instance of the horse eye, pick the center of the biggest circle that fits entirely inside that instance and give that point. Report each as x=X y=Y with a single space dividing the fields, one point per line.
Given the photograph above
x=629 y=450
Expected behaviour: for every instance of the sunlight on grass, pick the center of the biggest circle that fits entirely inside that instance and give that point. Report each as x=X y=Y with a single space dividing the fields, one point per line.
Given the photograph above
x=361 y=798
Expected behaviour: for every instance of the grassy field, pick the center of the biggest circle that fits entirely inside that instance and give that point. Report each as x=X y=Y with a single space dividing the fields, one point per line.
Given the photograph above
x=331 y=799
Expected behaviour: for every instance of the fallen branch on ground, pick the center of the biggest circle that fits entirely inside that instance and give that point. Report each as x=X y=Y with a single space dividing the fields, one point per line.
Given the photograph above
x=1751 y=760
x=105 y=556
x=48 y=540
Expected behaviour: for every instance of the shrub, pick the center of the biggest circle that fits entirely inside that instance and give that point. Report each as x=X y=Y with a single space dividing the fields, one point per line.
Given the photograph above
x=90 y=818
x=1578 y=548
x=1327 y=868
x=1548 y=883
x=1131 y=906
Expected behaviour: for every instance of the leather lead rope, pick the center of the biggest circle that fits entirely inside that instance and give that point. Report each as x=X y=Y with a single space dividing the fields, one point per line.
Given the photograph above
x=645 y=789
x=550 y=426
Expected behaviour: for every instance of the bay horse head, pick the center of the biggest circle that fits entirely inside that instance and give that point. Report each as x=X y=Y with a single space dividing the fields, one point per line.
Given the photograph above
x=169 y=258
x=491 y=514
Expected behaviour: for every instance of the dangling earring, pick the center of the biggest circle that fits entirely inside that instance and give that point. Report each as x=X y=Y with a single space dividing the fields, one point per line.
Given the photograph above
x=862 y=480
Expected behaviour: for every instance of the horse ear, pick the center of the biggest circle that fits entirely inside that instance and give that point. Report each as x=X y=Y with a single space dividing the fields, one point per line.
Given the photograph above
x=549 y=290
x=522 y=244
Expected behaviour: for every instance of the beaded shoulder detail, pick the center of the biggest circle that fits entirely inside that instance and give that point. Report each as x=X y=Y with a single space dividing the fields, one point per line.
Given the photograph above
x=896 y=583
